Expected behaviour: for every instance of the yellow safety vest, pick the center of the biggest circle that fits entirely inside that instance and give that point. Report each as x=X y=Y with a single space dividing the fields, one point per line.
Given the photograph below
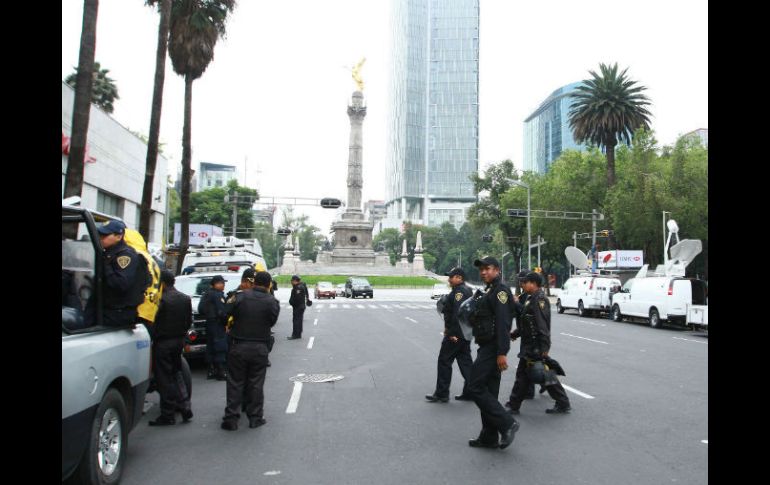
x=149 y=308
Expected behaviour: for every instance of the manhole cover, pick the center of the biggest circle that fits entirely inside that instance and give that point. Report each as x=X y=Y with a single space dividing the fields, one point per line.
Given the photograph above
x=316 y=377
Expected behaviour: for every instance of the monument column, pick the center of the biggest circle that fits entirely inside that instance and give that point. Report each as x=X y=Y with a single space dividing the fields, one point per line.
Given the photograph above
x=356 y=113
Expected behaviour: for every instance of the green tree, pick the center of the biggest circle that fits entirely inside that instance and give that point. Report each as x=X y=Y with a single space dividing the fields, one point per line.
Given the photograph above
x=153 y=148
x=81 y=110
x=104 y=92
x=606 y=108
x=209 y=207
x=195 y=28
x=310 y=238
x=388 y=240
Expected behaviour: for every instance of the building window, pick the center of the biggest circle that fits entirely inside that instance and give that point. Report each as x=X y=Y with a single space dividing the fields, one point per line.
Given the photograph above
x=108 y=204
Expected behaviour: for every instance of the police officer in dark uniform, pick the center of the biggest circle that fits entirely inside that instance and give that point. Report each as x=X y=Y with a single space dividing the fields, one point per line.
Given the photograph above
x=298 y=299
x=212 y=307
x=125 y=276
x=254 y=312
x=454 y=346
x=530 y=394
x=172 y=322
x=491 y=329
x=534 y=328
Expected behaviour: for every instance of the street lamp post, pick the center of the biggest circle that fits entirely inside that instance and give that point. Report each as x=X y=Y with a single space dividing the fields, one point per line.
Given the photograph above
x=529 y=218
x=502 y=265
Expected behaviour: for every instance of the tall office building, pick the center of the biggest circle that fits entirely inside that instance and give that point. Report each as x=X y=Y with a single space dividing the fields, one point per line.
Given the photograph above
x=434 y=117
x=702 y=134
x=547 y=132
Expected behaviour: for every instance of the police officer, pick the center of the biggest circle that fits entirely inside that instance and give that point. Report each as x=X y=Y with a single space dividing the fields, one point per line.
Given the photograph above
x=212 y=307
x=125 y=276
x=298 y=299
x=454 y=345
x=172 y=322
x=534 y=328
x=491 y=329
x=254 y=312
x=530 y=392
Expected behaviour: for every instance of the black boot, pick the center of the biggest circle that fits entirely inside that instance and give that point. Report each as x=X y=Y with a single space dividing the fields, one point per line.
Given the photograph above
x=211 y=374
x=220 y=373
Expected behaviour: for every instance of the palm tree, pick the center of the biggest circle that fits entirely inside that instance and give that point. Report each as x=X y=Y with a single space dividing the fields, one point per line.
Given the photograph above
x=164 y=8
x=103 y=90
x=73 y=180
x=607 y=108
x=196 y=25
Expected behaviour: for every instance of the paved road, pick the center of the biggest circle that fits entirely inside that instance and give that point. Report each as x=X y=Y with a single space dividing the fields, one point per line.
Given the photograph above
x=639 y=397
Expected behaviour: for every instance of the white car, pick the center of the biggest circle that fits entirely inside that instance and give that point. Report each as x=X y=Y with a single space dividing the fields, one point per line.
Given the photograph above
x=439 y=290
x=105 y=371
x=589 y=293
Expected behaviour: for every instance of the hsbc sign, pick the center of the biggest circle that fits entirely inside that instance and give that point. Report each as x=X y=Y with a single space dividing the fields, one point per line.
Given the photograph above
x=199 y=233
x=621 y=258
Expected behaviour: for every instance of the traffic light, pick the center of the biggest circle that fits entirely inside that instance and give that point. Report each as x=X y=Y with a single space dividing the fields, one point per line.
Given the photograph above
x=284 y=231
x=329 y=203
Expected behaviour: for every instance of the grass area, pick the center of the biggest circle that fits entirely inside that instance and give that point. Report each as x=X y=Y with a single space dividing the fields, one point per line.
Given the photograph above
x=375 y=281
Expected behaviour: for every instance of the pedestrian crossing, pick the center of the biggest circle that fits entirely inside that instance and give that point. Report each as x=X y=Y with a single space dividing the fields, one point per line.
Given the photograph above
x=372 y=306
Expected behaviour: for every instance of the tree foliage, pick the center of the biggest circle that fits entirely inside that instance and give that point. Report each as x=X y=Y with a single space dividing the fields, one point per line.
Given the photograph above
x=104 y=91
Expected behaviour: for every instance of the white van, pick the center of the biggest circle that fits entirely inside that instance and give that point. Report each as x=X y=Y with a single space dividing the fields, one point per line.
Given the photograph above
x=658 y=299
x=589 y=293
x=224 y=254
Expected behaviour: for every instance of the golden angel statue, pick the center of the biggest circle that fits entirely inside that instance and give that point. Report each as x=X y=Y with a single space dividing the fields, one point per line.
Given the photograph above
x=357 y=74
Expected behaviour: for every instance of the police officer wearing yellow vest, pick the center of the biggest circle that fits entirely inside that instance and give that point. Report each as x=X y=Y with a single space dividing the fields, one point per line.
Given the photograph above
x=454 y=346
x=491 y=329
x=534 y=328
x=125 y=276
x=254 y=313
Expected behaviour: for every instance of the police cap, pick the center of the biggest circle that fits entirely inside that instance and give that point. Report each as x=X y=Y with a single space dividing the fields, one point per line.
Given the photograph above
x=486 y=261
x=112 y=227
x=533 y=278
x=522 y=274
x=295 y=278
x=455 y=272
x=217 y=279
x=248 y=274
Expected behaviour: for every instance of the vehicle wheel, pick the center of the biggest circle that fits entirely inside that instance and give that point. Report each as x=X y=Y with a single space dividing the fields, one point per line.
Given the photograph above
x=102 y=461
x=615 y=315
x=654 y=318
x=581 y=309
x=559 y=308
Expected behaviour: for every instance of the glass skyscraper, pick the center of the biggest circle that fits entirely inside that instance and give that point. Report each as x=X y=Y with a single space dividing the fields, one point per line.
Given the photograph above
x=547 y=132
x=434 y=118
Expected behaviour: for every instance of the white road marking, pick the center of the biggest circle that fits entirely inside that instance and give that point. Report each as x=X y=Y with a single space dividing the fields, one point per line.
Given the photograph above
x=415 y=321
x=319 y=307
x=705 y=442
x=345 y=306
x=310 y=343
x=584 y=338
x=383 y=306
x=360 y=306
x=294 y=399
x=398 y=306
x=315 y=322
x=690 y=340
x=332 y=305
x=579 y=393
x=589 y=323
x=272 y=472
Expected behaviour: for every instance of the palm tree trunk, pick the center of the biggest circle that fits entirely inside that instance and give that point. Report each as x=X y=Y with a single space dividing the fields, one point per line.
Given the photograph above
x=611 y=163
x=157 y=104
x=186 y=172
x=73 y=182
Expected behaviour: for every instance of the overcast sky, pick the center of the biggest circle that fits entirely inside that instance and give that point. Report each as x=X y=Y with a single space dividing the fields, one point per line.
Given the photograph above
x=273 y=100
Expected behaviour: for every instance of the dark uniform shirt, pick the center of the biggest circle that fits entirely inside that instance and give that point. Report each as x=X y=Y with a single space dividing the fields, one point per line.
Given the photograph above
x=212 y=306
x=499 y=301
x=125 y=277
x=534 y=327
x=299 y=295
x=174 y=316
x=459 y=294
x=254 y=312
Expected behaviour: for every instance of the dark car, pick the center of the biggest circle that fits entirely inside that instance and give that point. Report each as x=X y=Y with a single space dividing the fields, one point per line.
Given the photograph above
x=194 y=286
x=356 y=286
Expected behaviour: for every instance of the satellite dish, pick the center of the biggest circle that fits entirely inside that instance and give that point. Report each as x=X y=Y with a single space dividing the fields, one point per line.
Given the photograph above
x=576 y=257
x=642 y=273
x=685 y=250
x=672 y=226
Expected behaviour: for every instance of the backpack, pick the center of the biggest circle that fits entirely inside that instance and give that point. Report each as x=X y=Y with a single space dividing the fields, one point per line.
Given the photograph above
x=153 y=292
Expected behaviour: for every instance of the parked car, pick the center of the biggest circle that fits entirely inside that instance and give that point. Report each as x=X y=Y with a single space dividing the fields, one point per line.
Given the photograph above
x=356 y=286
x=589 y=294
x=324 y=289
x=340 y=289
x=439 y=290
x=105 y=371
x=194 y=285
x=658 y=299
